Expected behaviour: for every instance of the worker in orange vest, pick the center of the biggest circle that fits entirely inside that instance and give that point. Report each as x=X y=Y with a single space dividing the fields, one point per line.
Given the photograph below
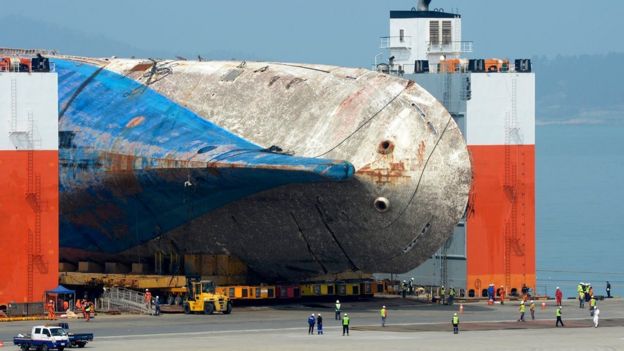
x=502 y=294
x=50 y=308
x=148 y=298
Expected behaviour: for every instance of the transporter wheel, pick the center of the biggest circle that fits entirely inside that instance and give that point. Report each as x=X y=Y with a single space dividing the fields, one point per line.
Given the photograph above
x=44 y=347
x=187 y=308
x=208 y=308
x=81 y=344
x=228 y=308
x=61 y=348
x=24 y=347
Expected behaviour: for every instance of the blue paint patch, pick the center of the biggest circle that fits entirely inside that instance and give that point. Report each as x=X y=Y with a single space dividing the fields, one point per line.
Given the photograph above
x=135 y=165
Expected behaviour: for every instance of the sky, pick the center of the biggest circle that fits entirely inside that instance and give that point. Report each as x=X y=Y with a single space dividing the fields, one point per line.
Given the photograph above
x=340 y=32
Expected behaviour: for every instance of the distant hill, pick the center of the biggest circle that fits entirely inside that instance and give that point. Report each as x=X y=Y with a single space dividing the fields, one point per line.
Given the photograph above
x=22 y=32
x=582 y=89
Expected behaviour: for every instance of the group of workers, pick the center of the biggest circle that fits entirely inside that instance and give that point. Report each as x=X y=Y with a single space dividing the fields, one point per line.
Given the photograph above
x=152 y=301
x=82 y=305
x=585 y=293
x=446 y=297
x=318 y=321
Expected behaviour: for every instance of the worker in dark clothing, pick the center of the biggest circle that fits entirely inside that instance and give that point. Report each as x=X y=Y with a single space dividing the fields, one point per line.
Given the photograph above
x=558 y=315
x=311 y=322
x=319 y=324
x=532 y=310
x=455 y=323
x=156 y=306
x=608 y=290
x=337 y=310
x=345 y=324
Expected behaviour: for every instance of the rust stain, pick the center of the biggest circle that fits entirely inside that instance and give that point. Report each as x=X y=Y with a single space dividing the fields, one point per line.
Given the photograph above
x=421 y=152
x=395 y=173
x=135 y=121
x=141 y=67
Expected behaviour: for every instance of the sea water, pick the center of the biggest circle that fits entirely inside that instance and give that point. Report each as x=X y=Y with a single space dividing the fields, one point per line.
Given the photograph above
x=580 y=207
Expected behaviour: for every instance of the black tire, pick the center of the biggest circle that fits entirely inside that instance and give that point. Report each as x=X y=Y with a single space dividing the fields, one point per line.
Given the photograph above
x=61 y=348
x=208 y=308
x=44 y=347
x=81 y=344
x=24 y=347
x=228 y=308
x=187 y=308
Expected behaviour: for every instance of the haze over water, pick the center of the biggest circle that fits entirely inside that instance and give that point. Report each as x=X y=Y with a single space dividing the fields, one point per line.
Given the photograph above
x=580 y=207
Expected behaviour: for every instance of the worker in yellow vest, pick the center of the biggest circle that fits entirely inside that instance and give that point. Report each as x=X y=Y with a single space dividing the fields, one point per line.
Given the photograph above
x=384 y=314
x=522 y=310
x=345 y=324
x=592 y=306
x=558 y=315
x=337 y=310
x=455 y=323
x=582 y=299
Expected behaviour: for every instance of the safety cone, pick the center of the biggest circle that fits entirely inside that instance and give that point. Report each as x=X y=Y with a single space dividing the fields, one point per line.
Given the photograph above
x=461 y=308
x=543 y=305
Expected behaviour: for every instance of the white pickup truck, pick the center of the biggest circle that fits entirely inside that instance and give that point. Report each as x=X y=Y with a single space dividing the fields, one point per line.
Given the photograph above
x=43 y=338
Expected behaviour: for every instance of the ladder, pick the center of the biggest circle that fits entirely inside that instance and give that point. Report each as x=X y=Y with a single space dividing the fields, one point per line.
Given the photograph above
x=511 y=185
x=123 y=300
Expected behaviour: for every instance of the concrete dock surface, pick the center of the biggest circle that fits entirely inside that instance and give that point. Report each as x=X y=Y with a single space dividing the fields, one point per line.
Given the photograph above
x=410 y=325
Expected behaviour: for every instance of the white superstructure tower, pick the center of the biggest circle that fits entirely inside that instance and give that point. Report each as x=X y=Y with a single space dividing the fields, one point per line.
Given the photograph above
x=493 y=102
x=423 y=35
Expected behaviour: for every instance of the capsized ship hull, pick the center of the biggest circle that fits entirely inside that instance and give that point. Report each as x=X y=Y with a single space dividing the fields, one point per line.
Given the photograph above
x=175 y=156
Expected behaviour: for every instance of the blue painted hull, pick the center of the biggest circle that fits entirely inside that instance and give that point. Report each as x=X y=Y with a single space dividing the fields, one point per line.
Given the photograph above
x=135 y=165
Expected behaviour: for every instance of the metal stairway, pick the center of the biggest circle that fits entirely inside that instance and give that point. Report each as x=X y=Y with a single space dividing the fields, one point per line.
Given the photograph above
x=123 y=300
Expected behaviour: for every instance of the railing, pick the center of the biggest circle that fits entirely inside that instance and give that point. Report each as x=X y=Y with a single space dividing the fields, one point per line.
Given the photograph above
x=450 y=47
x=123 y=300
x=399 y=42
x=25 y=69
x=408 y=68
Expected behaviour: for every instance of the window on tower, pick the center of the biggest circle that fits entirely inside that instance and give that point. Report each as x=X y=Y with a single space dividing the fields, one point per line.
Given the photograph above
x=446 y=32
x=434 y=32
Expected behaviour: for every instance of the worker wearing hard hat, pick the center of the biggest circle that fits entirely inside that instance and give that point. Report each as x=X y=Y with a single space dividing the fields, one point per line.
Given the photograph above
x=345 y=324
x=455 y=322
x=384 y=314
x=522 y=310
x=558 y=315
x=148 y=299
x=558 y=296
x=50 y=308
x=532 y=310
x=311 y=322
x=337 y=310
